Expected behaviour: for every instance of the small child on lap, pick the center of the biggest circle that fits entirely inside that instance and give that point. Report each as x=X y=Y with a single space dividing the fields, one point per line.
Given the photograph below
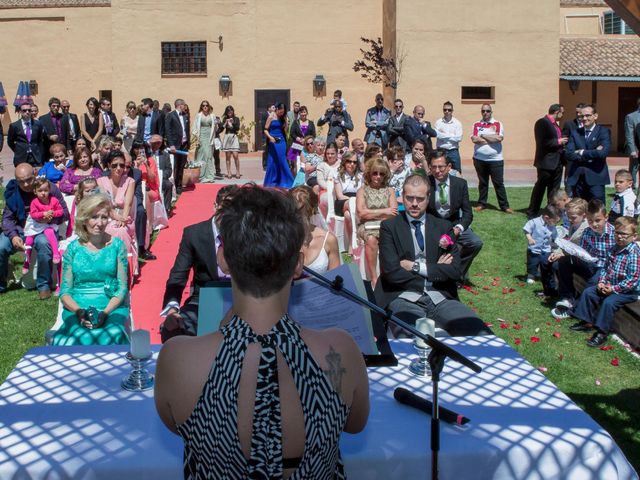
x=541 y=232
x=618 y=284
x=43 y=209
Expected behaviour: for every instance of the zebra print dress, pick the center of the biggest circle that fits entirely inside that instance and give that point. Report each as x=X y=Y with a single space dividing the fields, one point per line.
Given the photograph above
x=211 y=442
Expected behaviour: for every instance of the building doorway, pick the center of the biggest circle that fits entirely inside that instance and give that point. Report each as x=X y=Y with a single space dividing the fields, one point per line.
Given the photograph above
x=627 y=103
x=263 y=99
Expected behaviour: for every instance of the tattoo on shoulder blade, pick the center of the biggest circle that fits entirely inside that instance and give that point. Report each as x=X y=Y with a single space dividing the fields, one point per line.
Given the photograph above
x=335 y=370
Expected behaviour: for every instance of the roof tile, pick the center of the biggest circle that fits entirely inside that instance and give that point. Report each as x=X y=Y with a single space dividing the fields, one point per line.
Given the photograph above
x=616 y=57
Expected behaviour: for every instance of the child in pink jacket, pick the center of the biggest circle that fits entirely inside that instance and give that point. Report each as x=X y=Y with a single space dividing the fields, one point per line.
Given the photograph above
x=43 y=209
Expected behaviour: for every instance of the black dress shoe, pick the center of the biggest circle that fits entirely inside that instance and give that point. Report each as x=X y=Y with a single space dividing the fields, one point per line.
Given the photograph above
x=581 y=326
x=598 y=339
x=147 y=255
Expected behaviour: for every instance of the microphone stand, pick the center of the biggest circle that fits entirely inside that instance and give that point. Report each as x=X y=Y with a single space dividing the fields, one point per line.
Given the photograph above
x=439 y=352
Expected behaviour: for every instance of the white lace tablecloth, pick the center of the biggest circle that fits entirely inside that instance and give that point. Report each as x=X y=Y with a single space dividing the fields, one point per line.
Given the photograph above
x=64 y=415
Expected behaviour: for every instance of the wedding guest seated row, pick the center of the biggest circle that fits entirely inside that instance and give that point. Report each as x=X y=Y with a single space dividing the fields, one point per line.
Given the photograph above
x=327 y=171
x=81 y=167
x=347 y=183
x=94 y=280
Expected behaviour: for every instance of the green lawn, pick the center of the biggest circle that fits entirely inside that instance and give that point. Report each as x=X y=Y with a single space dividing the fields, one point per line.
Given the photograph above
x=610 y=394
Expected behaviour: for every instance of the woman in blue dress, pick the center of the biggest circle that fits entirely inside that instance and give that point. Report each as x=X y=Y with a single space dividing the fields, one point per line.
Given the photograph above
x=278 y=172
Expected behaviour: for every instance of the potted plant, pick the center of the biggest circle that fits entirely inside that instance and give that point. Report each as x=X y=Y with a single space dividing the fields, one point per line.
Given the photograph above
x=191 y=174
x=244 y=134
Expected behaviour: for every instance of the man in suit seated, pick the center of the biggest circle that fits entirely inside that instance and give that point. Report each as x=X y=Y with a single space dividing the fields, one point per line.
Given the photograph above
x=417 y=276
x=587 y=152
x=26 y=138
x=449 y=199
x=198 y=252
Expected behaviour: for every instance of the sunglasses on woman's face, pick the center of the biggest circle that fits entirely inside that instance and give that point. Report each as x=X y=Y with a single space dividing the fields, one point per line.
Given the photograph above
x=353 y=162
x=118 y=165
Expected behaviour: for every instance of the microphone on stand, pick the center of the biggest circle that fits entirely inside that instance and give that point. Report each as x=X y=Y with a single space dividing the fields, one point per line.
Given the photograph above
x=406 y=397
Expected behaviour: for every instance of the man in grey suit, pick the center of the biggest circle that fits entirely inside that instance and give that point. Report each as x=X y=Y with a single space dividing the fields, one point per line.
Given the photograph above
x=631 y=121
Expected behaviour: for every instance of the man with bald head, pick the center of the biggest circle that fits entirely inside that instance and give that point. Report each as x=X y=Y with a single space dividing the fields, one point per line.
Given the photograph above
x=18 y=196
x=417 y=127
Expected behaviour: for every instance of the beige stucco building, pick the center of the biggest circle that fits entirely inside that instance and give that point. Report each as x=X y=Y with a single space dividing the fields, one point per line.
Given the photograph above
x=454 y=50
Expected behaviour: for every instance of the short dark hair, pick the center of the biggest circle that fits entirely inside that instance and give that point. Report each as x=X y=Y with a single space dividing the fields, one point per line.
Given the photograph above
x=262 y=233
x=398 y=100
x=596 y=206
x=592 y=106
x=147 y=101
x=113 y=154
x=53 y=100
x=437 y=153
x=415 y=179
x=581 y=105
x=338 y=93
x=104 y=99
x=447 y=103
x=555 y=108
x=225 y=193
x=420 y=141
x=551 y=211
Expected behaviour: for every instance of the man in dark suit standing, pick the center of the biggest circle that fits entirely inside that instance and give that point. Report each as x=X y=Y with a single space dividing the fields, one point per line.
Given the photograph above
x=26 y=137
x=111 y=125
x=587 y=152
x=55 y=126
x=449 y=199
x=418 y=277
x=417 y=127
x=149 y=122
x=178 y=132
x=548 y=162
x=568 y=127
x=197 y=251
x=377 y=122
x=396 y=125
x=73 y=125
x=164 y=169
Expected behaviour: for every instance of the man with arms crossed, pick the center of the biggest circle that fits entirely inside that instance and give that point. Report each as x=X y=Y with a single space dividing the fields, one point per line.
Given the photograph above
x=418 y=277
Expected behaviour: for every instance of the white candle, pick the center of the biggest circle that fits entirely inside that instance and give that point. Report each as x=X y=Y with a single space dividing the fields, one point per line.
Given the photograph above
x=426 y=326
x=140 y=344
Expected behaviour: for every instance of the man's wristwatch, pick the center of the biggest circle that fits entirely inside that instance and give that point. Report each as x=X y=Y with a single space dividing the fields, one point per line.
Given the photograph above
x=416 y=267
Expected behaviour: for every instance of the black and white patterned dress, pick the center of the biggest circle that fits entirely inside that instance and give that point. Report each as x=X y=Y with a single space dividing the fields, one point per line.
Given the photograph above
x=211 y=442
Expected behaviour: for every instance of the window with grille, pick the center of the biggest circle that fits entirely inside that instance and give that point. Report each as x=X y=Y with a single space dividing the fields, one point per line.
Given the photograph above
x=184 y=58
x=614 y=25
x=478 y=93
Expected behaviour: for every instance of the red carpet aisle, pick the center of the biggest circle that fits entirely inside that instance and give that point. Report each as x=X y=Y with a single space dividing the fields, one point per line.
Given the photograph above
x=146 y=298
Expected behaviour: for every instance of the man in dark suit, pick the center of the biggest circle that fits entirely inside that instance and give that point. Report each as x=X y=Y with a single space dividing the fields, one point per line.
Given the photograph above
x=178 y=133
x=587 y=152
x=73 y=125
x=416 y=127
x=164 y=169
x=567 y=128
x=548 y=159
x=395 y=127
x=149 y=122
x=111 y=125
x=418 y=277
x=449 y=199
x=26 y=137
x=197 y=251
x=55 y=126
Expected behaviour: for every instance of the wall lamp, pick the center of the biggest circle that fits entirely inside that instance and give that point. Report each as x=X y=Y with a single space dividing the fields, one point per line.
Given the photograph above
x=319 y=84
x=225 y=85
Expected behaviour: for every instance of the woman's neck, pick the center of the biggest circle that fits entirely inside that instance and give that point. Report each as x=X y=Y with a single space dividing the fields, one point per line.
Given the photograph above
x=98 y=240
x=261 y=314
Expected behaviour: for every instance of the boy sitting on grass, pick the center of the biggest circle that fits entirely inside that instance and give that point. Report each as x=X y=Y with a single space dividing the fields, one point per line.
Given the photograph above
x=541 y=233
x=597 y=240
x=624 y=201
x=618 y=284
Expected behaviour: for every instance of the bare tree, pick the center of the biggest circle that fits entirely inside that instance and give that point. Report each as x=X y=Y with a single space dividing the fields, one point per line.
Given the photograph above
x=378 y=67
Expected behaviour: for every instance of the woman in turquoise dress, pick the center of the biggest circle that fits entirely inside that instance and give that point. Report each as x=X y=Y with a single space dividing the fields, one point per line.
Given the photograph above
x=94 y=280
x=278 y=172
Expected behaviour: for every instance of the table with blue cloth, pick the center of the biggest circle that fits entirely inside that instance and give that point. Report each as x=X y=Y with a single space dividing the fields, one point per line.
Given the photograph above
x=64 y=415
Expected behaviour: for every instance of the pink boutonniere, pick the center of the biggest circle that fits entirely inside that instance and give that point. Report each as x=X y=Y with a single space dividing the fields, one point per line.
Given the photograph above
x=445 y=242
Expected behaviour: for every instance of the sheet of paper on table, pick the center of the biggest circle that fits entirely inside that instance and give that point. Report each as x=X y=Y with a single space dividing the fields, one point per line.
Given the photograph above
x=311 y=304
